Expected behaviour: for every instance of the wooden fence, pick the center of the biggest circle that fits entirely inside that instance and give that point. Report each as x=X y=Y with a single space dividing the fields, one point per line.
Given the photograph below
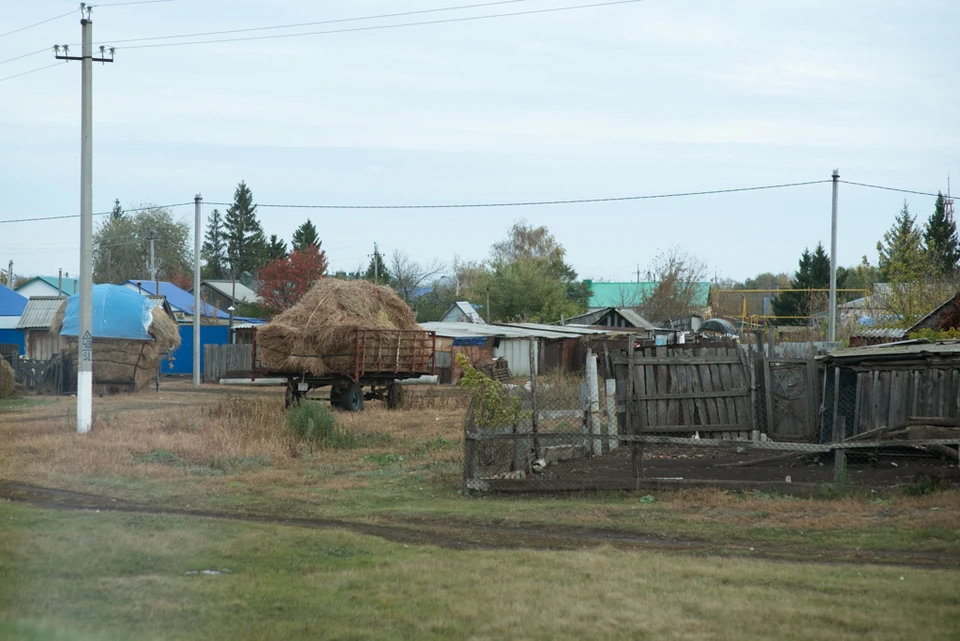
x=701 y=388
x=220 y=360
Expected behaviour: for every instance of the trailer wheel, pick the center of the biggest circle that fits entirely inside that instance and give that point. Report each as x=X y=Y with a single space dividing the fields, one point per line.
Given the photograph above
x=335 y=395
x=394 y=396
x=351 y=399
x=291 y=397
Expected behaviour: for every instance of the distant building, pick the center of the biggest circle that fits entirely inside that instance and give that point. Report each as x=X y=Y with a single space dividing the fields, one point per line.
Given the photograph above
x=49 y=286
x=462 y=312
x=223 y=294
x=40 y=343
x=633 y=294
x=180 y=301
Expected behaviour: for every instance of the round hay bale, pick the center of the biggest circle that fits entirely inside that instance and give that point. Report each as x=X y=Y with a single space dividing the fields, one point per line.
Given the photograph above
x=318 y=333
x=6 y=379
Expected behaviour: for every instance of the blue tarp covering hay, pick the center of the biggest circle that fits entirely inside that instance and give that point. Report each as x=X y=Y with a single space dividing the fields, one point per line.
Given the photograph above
x=130 y=337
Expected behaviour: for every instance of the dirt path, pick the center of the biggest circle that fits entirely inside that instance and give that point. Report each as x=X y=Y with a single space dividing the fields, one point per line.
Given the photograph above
x=471 y=535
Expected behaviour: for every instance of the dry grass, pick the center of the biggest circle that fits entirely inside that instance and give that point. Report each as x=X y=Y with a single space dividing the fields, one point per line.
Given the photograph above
x=173 y=437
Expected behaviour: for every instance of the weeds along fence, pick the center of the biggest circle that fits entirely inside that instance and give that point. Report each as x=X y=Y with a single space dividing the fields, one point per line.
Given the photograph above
x=718 y=414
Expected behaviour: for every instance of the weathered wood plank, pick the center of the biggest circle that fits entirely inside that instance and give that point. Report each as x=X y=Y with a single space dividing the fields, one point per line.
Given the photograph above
x=678 y=360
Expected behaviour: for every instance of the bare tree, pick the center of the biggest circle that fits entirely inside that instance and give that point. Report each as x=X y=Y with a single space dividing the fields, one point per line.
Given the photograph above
x=465 y=273
x=409 y=275
x=679 y=276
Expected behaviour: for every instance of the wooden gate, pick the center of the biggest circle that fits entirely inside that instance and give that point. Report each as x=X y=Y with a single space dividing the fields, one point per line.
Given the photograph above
x=689 y=389
x=792 y=398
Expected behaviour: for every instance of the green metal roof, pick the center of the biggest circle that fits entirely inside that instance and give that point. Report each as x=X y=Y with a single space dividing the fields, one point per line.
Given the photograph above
x=630 y=294
x=70 y=285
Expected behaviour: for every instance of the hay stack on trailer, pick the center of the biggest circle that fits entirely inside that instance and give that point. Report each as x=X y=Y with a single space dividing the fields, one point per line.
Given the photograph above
x=131 y=334
x=318 y=335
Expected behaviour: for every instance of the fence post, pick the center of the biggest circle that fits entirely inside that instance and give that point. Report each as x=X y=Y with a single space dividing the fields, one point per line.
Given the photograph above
x=610 y=387
x=636 y=448
x=839 y=454
x=535 y=418
x=593 y=391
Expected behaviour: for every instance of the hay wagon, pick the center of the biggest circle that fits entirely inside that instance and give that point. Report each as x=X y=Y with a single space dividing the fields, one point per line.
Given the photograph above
x=378 y=360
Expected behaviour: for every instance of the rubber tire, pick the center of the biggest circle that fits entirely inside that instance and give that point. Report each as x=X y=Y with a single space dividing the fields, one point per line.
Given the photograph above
x=394 y=396
x=291 y=397
x=336 y=394
x=351 y=399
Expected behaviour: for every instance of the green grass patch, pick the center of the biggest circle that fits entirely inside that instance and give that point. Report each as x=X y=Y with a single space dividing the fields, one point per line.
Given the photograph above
x=24 y=402
x=188 y=578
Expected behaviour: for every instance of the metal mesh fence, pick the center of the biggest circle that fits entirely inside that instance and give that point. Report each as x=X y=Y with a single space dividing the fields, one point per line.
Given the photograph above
x=808 y=431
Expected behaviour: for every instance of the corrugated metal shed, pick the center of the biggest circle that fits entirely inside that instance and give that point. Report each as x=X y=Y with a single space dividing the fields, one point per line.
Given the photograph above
x=40 y=311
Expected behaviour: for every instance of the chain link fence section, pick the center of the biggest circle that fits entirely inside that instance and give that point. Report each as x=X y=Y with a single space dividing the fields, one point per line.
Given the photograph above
x=804 y=433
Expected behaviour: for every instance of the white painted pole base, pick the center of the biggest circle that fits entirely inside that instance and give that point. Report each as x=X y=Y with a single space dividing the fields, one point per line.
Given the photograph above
x=84 y=401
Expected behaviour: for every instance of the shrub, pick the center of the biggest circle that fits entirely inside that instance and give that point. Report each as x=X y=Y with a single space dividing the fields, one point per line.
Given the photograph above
x=490 y=404
x=314 y=424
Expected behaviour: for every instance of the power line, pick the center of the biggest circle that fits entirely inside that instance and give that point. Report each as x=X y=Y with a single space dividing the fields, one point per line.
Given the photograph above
x=126 y=4
x=99 y=213
x=532 y=203
x=39 y=51
x=903 y=191
x=390 y=26
x=37 y=24
x=319 y=22
x=56 y=64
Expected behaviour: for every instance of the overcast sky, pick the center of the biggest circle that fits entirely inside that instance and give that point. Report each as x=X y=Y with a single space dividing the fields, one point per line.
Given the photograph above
x=650 y=97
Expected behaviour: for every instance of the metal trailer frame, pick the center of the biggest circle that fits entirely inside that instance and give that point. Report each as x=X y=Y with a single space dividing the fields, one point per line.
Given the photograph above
x=371 y=367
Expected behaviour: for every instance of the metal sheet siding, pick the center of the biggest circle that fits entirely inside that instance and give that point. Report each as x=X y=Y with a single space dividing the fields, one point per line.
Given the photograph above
x=517 y=353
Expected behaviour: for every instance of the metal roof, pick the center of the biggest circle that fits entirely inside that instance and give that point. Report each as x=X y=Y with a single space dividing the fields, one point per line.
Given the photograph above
x=630 y=315
x=881 y=332
x=225 y=287
x=634 y=318
x=517 y=330
x=40 y=311
x=70 y=285
x=902 y=350
x=11 y=303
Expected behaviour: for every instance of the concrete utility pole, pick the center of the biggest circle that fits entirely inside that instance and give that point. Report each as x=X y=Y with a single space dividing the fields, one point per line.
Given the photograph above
x=85 y=331
x=10 y=274
x=832 y=333
x=196 y=289
x=153 y=265
x=376 y=264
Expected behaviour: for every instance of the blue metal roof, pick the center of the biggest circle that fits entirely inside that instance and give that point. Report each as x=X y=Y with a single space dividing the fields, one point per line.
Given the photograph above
x=11 y=303
x=180 y=300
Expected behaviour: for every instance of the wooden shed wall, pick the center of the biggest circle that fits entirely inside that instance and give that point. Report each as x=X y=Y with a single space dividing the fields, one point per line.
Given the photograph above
x=887 y=397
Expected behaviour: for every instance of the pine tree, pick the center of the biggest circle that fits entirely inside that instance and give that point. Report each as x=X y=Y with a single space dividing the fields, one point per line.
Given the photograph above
x=901 y=250
x=276 y=248
x=214 y=248
x=940 y=241
x=814 y=273
x=117 y=212
x=246 y=244
x=304 y=236
x=377 y=270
